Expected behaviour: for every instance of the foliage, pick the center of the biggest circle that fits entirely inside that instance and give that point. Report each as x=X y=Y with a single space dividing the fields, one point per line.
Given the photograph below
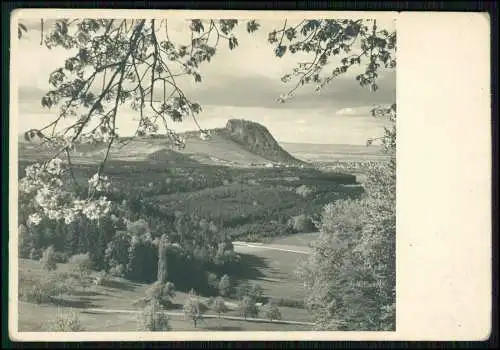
x=45 y=192
x=48 y=260
x=350 y=276
x=117 y=271
x=271 y=311
x=219 y=306
x=251 y=290
x=194 y=308
x=153 y=318
x=335 y=37
x=81 y=264
x=24 y=241
x=119 y=62
x=212 y=280
x=299 y=304
x=61 y=257
x=352 y=268
x=162 y=259
x=163 y=292
x=302 y=223
x=304 y=191
x=102 y=278
x=66 y=322
x=224 y=285
x=247 y=307
x=35 y=254
x=43 y=289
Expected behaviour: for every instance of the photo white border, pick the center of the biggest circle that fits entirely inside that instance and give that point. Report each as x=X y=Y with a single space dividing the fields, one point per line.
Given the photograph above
x=443 y=178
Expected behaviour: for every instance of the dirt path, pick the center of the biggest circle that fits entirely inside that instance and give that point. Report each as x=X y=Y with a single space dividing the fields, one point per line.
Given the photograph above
x=282 y=248
x=248 y=319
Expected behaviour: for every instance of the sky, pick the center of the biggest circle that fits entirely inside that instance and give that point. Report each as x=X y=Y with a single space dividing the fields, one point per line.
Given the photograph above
x=240 y=83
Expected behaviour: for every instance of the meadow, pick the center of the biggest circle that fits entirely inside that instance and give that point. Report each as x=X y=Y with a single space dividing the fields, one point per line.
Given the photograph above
x=115 y=306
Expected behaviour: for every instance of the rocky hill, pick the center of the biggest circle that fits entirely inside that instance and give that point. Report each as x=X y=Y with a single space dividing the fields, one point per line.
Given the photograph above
x=240 y=143
x=257 y=139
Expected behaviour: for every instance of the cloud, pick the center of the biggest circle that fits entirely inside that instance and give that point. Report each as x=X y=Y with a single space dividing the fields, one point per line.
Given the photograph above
x=357 y=111
x=244 y=82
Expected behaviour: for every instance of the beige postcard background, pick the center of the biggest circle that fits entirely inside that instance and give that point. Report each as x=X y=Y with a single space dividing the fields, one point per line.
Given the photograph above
x=443 y=179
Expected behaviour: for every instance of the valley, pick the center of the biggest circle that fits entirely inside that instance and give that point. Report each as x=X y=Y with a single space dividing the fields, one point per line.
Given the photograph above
x=234 y=203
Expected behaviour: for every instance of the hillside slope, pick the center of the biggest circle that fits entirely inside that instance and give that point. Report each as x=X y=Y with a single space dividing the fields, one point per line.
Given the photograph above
x=257 y=139
x=240 y=143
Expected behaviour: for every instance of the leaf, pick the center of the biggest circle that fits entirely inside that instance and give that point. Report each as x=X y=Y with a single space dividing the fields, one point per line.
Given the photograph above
x=271 y=38
x=290 y=34
x=233 y=42
x=197 y=26
x=62 y=27
x=197 y=77
x=280 y=50
x=252 y=26
x=46 y=102
x=286 y=78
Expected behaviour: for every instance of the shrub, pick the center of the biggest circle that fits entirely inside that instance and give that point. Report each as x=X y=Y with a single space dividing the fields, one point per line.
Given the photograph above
x=35 y=292
x=153 y=318
x=101 y=278
x=253 y=291
x=66 y=322
x=81 y=264
x=301 y=223
x=299 y=304
x=219 y=306
x=271 y=312
x=303 y=191
x=224 y=285
x=61 y=257
x=117 y=271
x=43 y=289
x=163 y=292
x=212 y=280
x=248 y=307
x=48 y=259
x=35 y=254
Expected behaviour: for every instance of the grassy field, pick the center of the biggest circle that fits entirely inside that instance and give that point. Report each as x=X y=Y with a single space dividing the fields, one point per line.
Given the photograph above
x=31 y=319
x=273 y=270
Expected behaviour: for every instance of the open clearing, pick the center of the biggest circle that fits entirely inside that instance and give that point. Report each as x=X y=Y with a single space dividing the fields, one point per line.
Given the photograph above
x=275 y=265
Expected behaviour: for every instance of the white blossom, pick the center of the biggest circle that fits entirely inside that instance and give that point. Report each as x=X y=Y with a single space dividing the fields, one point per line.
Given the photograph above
x=45 y=189
x=99 y=183
x=55 y=166
x=34 y=219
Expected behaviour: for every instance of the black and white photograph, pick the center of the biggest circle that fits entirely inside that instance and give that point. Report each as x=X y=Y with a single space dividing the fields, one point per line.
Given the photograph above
x=206 y=174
